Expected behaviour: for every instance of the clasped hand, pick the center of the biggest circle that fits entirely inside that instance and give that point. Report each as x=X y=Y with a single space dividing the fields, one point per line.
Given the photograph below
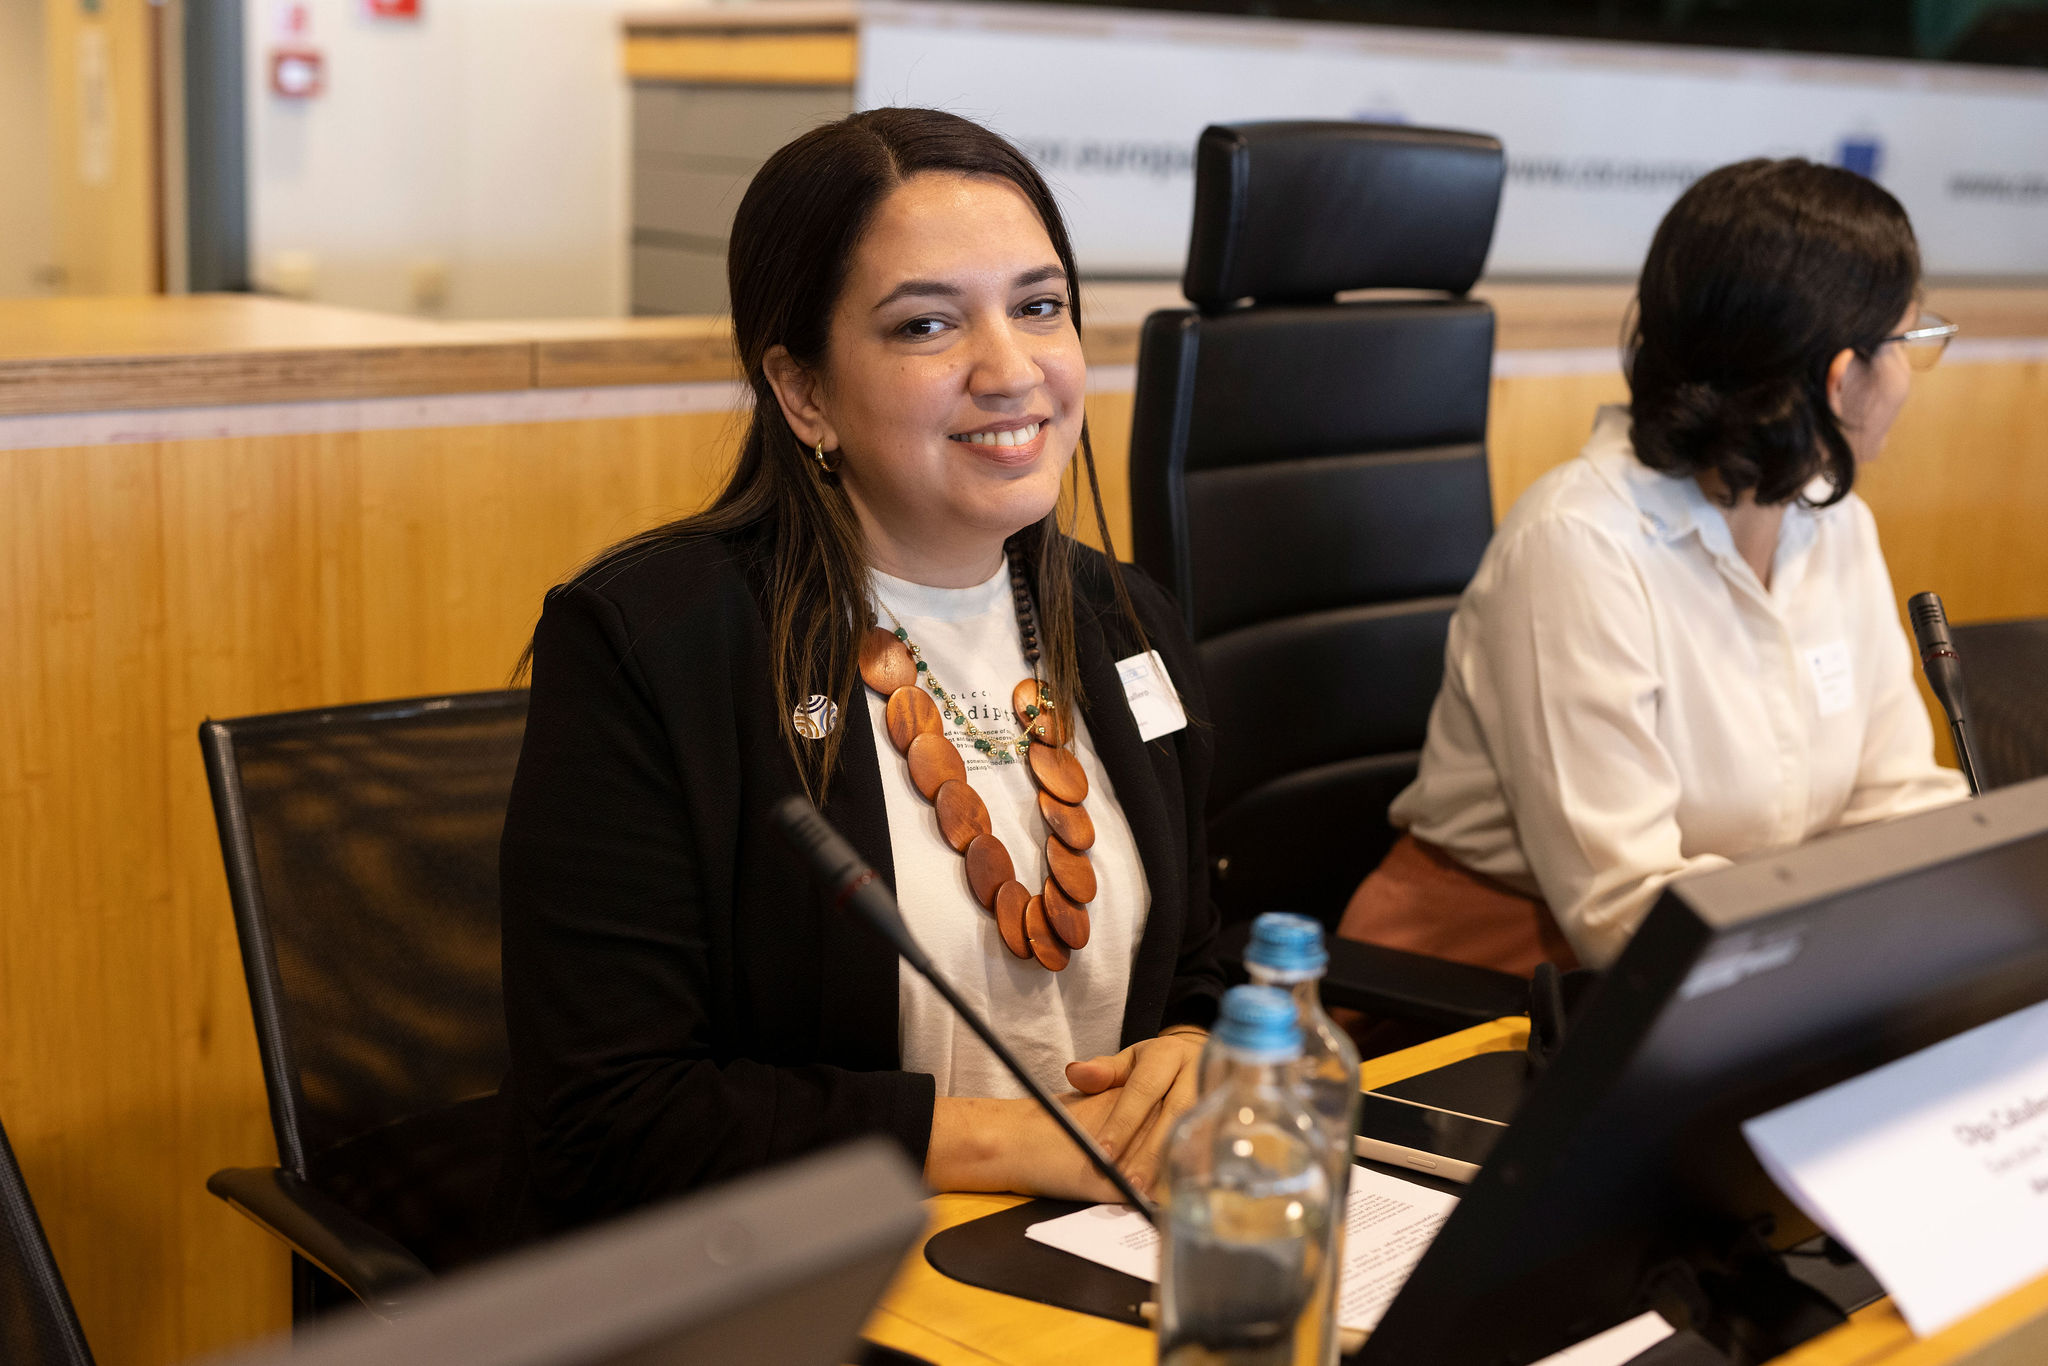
x=1129 y=1100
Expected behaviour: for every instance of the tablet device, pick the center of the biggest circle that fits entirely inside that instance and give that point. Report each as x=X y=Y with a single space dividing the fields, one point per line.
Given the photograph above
x=1426 y=1138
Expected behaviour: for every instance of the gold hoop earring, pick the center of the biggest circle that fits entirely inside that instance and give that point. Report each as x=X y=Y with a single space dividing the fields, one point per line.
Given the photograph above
x=825 y=463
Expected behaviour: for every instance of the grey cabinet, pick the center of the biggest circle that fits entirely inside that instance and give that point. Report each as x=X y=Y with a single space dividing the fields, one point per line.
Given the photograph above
x=695 y=148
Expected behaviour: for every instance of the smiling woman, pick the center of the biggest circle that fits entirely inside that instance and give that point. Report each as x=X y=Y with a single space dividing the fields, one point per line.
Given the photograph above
x=955 y=328
x=682 y=1006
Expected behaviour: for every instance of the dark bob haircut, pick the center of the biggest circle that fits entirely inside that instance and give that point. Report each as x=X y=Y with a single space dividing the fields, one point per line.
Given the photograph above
x=1759 y=276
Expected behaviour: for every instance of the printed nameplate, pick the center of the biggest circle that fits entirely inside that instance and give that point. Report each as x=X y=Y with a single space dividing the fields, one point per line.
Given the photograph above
x=1932 y=1169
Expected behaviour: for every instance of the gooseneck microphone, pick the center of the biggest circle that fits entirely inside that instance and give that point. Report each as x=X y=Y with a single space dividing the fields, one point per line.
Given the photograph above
x=1944 y=675
x=853 y=885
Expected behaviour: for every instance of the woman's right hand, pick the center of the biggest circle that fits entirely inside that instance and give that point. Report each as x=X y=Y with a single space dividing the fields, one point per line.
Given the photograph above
x=981 y=1144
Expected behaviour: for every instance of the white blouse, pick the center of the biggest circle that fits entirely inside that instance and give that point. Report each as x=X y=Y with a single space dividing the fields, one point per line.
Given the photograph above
x=970 y=639
x=1624 y=703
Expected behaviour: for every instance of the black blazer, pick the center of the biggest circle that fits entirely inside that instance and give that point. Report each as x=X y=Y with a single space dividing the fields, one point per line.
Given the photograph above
x=682 y=1004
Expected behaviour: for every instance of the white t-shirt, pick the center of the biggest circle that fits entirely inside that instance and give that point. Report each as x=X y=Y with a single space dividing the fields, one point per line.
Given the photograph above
x=1625 y=703
x=970 y=640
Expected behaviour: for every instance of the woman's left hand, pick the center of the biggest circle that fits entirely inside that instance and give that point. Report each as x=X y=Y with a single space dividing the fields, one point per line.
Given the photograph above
x=1158 y=1077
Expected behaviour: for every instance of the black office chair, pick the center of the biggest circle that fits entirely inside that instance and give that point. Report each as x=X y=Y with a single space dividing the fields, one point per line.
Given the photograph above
x=362 y=856
x=2005 y=674
x=38 y=1326
x=1309 y=477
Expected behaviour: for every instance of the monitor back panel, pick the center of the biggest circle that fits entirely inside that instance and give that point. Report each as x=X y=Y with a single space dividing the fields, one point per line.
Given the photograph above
x=1744 y=990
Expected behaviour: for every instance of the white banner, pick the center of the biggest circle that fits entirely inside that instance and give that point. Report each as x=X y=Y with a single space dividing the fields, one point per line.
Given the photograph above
x=1600 y=137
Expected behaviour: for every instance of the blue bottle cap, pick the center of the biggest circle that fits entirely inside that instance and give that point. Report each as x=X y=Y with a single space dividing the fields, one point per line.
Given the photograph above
x=1289 y=947
x=1259 y=1024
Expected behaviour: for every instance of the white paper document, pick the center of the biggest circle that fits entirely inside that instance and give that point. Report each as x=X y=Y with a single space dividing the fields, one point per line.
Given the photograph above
x=1115 y=1236
x=1617 y=1346
x=1933 y=1169
x=1388 y=1225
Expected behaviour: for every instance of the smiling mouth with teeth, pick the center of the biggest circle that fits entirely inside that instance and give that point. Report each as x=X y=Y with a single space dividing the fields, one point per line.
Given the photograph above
x=1019 y=436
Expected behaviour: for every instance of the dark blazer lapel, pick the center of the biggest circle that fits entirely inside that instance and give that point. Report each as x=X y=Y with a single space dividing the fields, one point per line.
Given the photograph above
x=858 y=985
x=857 y=1004
x=1142 y=775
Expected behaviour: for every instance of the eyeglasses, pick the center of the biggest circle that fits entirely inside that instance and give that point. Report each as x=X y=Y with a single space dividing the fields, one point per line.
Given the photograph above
x=1926 y=339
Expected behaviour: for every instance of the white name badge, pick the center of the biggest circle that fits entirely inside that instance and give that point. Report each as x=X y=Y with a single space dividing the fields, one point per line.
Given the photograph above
x=1834 y=678
x=1154 y=703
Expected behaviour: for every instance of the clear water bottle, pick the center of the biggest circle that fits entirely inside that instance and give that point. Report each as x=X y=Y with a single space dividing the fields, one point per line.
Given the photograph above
x=1287 y=952
x=1245 y=1277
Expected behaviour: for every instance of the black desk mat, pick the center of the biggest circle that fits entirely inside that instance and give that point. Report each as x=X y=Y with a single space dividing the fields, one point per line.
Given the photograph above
x=992 y=1252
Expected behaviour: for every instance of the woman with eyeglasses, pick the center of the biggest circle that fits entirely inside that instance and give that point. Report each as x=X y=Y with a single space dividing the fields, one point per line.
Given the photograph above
x=1683 y=648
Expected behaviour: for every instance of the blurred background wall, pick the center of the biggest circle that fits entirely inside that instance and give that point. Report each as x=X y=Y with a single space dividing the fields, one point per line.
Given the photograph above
x=468 y=163
x=27 y=219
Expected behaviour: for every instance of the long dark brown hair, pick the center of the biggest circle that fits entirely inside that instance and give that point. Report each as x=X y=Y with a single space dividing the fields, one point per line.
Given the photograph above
x=792 y=242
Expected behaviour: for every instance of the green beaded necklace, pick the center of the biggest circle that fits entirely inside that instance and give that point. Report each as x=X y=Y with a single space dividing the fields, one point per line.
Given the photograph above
x=1001 y=751
x=998 y=750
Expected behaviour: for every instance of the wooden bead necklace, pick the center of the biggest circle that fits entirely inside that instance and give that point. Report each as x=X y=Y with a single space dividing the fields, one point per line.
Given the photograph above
x=1047 y=927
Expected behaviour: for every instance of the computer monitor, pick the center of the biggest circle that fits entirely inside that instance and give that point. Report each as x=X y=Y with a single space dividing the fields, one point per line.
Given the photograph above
x=780 y=1268
x=1624 y=1182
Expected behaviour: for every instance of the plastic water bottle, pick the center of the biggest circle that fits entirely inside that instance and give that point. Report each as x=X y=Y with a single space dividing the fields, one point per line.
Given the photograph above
x=1245 y=1277
x=1287 y=952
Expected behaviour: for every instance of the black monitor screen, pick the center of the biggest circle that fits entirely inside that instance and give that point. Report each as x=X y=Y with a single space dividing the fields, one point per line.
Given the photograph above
x=1744 y=990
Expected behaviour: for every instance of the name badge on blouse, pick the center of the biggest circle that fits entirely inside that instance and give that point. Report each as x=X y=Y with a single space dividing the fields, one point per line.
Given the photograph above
x=1834 y=678
x=1155 y=706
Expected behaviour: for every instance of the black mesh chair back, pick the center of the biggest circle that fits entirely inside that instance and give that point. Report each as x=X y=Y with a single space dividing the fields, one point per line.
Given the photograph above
x=2005 y=674
x=38 y=1326
x=362 y=854
x=1309 y=477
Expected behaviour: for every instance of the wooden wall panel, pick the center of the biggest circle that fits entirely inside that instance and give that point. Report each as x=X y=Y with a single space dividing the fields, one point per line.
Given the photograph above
x=1962 y=487
x=142 y=588
x=1539 y=422
x=146 y=586
x=1109 y=433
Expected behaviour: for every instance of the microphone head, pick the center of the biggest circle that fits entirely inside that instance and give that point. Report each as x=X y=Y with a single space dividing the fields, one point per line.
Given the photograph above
x=837 y=867
x=1930 y=621
x=825 y=851
x=1938 y=657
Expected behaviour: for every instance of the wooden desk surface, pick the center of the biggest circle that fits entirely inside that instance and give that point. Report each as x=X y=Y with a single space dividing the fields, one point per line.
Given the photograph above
x=947 y=1322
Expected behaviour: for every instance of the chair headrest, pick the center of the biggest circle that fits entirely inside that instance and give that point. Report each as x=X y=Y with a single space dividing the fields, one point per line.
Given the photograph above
x=1299 y=211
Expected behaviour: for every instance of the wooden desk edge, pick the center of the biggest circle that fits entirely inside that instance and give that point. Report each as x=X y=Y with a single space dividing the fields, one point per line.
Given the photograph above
x=410 y=358
x=316 y=374
x=692 y=351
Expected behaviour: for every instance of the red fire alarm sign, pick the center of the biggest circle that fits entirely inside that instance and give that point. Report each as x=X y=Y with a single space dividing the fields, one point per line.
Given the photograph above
x=392 y=9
